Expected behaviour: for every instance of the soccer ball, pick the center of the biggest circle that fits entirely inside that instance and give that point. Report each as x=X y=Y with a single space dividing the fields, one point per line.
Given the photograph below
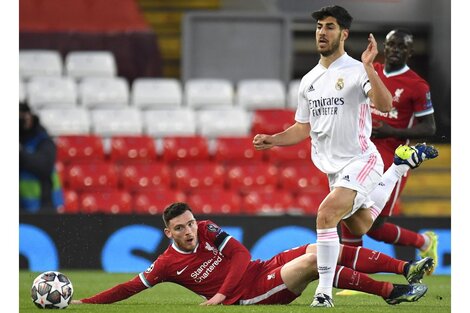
x=52 y=290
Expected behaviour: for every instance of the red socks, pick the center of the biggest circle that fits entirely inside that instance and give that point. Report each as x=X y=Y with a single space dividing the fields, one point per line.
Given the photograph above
x=349 y=239
x=347 y=278
x=394 y=234
x=370 y=261
x=388 y=233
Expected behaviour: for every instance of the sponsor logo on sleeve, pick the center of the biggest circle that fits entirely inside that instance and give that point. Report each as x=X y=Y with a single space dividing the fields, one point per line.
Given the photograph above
x=213 y=228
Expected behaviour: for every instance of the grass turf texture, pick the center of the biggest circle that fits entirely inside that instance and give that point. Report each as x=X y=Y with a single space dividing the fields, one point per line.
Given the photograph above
x=171 y=298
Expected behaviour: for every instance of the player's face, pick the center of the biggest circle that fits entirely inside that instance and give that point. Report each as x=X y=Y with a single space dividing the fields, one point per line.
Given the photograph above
x=328 y=36
x=397 y=49
x=183 y=230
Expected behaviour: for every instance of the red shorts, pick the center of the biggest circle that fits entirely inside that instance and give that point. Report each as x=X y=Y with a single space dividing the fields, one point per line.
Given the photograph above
x=268 y=287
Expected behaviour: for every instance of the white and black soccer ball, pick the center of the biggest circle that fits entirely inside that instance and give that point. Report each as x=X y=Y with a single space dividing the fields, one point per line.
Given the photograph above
x=52 y=290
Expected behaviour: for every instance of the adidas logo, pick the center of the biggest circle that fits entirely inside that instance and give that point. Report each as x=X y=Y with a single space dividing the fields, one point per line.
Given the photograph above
x=346 y=178
x=310 y=88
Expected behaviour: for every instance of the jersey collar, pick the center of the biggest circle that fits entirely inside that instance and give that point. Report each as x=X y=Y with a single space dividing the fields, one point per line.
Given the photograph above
x=336 y=62
x=182 y=251
x=397 y=72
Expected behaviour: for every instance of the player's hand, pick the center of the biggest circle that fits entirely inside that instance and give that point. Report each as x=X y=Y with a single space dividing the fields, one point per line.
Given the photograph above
x=262 y=142
x=371 y=51
x=76 y=302
x=218 y=298
x=381 y=129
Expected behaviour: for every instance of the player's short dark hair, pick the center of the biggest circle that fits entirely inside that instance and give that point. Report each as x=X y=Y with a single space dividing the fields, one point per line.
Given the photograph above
x=403 y=33
x=342 y=16
x=174 y=210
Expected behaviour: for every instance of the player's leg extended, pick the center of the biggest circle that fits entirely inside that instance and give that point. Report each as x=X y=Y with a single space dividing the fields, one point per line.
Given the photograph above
x=411 y=157
x=347 y=278
x=371 y=261
x=406 y=157
x=299 y=272
x=337 y=204
x=387 y=232
x=391 y=236
x=349 y=238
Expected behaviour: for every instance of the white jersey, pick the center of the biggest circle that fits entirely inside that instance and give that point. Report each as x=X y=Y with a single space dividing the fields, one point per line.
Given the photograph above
x=334 y=101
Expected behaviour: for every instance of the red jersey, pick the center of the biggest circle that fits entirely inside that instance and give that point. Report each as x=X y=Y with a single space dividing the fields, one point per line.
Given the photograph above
x=218 y=264
x=411 y=98
x=207 y=270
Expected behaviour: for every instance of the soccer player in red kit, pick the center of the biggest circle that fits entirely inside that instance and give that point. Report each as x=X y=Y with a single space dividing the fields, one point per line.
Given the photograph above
x=412 y=116
x=214 y=265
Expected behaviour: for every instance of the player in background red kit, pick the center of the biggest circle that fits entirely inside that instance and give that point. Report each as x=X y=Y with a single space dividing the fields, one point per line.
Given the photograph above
x=412 y=116
x=214 y=265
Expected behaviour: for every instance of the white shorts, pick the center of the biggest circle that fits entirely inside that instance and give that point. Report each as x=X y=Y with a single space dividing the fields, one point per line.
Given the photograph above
x=362 y=175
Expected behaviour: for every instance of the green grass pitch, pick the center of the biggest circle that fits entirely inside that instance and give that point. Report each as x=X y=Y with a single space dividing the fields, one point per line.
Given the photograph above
x=171 y=298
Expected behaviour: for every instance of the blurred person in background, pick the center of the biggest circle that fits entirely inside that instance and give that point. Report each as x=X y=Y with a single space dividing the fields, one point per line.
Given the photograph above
x=40 y=186
x=411 y=117
x=208 y=261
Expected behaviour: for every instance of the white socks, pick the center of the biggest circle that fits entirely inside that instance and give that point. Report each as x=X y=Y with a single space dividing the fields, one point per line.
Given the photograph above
x=327 y=258
x=381 y=193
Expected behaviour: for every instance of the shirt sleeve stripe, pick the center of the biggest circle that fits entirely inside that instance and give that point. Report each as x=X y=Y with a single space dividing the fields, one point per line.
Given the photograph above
x=425 y=112
x=144 y=281
x=365 y=83
x=222 y=245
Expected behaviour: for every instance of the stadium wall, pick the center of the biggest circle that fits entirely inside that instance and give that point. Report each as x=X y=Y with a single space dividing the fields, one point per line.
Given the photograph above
x=131 y=243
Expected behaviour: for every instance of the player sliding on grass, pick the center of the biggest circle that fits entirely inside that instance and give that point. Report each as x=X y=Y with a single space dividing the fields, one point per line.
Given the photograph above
x=214 y=265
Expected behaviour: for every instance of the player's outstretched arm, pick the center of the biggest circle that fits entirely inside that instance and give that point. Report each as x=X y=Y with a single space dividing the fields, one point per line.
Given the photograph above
x=292 y=135
x=116 y=293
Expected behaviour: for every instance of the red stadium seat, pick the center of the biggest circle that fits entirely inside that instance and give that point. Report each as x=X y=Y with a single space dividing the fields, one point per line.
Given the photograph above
x=126 y=149
x=155 y=201
x=270 y=121
x=236 y=149
x=134 y=177
x=60 y=168
x=199 y=175
x=273 y=202
x=79 y=148
x=109 y=202
x=181 y=149
x=246 y=177
x=298 y=152
x=308 y=201
x=218 y=201
x=71 y=203
x=297 y=176
x=100 y=176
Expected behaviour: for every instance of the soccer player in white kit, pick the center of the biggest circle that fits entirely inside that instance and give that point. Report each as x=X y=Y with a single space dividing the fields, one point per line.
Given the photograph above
x=333 y=109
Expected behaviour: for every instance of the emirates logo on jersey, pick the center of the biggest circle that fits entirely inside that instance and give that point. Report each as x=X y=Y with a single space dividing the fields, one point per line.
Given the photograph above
x=339 y=84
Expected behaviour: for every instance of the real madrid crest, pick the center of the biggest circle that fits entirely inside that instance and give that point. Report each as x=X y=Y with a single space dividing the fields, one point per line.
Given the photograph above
x=339 y=84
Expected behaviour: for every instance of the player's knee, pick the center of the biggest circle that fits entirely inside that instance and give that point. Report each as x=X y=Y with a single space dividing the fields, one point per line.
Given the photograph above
x=309 y=267
x=327 y=217
x=311 y=261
